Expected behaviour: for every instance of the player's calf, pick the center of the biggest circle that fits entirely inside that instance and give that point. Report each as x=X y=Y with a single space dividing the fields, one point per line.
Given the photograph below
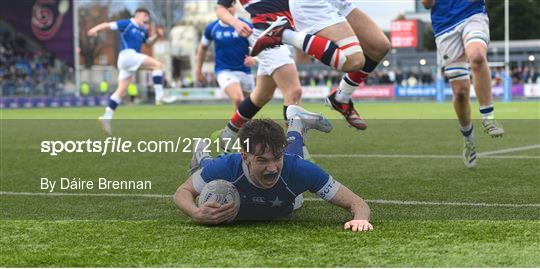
x=344 y=55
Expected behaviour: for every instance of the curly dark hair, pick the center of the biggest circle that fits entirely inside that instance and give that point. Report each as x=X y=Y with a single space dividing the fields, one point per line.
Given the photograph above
x=264 y=132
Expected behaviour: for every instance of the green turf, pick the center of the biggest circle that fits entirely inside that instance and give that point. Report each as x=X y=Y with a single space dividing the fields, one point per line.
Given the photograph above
x=73 y=231
x=371 y=110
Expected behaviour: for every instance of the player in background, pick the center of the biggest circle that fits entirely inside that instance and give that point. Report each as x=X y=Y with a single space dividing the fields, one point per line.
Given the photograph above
x=461 y=31
x=276 y=66
x=133 y=33
x=269 y=176
x=232 y=63
x=340 y=36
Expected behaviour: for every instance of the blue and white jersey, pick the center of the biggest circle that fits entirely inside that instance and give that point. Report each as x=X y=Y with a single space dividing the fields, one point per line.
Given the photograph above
x=132 y=35
x=447 y=14
x=230 y=48
x=297 y=176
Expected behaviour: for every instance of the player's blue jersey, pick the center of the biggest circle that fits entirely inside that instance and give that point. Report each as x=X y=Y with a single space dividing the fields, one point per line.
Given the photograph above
x=132 y=36
x=297 y=176
x=447 y=14
x=230 y=48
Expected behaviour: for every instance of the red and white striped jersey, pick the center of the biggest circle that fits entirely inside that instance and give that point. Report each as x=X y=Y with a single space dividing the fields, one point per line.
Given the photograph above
x=263 y=11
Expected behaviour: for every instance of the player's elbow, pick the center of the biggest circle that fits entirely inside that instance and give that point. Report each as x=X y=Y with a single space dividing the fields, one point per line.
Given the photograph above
x=177 y=196
x=181 y=193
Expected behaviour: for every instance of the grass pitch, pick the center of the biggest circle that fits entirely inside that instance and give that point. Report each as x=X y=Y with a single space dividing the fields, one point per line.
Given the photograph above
x=427 y=208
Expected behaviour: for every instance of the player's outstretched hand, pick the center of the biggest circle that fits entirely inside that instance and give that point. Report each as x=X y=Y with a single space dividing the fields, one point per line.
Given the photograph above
x=250 y=61
x=214 y=213
x=92 y=32
x=358 y=225
x=199 y=76
x=242 y=28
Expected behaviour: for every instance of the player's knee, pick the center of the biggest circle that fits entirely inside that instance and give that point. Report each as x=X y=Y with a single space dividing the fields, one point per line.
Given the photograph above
x=294 y=95
x=477 y=59
x=385 y=47
x=381 y=48
x=354 y=62
x=237 y=98
x=461 y=93
x=158 y=66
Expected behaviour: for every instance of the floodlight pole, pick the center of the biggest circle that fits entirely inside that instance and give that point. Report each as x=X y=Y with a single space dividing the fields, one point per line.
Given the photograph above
x=508 y=78
x=76 y=66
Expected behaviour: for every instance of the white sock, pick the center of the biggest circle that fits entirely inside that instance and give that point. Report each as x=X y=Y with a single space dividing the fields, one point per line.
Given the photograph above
x=228 y=133
x=157 y=77
x=109 y=113
x=158 y=89
x=296 y=39
x=296 y=125
x=488 y=112
x=467 y=132
x=347 y=86
x=345 y=92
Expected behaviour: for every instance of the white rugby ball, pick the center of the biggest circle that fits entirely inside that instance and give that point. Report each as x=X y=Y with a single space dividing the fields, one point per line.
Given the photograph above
x=222 y=192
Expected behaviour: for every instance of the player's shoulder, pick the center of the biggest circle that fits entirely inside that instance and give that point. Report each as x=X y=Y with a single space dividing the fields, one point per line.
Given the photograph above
x=127 y=21
x=301 y=175
x=212 y=24
x=226 y=167
x=211 y=27
x=296 y=165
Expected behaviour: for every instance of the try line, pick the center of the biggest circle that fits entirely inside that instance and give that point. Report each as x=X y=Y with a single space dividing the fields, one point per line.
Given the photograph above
x=373 y=201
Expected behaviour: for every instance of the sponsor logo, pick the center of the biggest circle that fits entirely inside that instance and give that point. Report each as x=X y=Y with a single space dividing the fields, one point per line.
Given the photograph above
x=258 y=200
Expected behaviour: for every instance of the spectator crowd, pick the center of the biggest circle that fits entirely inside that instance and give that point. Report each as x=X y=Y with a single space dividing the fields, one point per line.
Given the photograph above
x=26 y=72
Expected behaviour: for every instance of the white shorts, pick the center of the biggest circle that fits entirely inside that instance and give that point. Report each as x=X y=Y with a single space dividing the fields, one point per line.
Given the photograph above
x=273 y=58
x=314 y=15
x=226 y=77
x=451 y=45
x=128 y=62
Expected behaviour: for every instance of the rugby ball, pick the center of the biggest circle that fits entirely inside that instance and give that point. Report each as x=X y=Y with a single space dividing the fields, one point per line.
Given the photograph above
x=222 y=192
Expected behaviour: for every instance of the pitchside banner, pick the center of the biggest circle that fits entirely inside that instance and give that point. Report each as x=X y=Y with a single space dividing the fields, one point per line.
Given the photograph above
x=47 y=22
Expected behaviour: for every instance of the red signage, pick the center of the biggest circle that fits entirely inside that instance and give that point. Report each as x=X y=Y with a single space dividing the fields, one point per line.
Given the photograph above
x=374 y=91
x=404 y=34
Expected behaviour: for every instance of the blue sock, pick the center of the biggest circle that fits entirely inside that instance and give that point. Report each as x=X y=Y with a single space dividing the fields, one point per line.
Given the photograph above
x=112 y=104
x=296 y=142
x=205 y=162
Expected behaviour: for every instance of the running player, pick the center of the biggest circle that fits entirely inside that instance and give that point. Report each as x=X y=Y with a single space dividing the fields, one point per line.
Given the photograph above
x=461 y=31
x=276 y=66
x=271 y=177
x=233 y=64
x=339 y=35
x=133 y=33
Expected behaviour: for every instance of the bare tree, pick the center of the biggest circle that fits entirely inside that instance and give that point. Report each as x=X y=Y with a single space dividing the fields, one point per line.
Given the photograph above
x=165 y=12
x=90 y=46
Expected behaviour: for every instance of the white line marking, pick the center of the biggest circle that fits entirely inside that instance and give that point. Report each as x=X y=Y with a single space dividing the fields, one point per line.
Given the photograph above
x=417 y=156
x=509 y=150
x=374 y=201
x=400 y=202
x=142 y=195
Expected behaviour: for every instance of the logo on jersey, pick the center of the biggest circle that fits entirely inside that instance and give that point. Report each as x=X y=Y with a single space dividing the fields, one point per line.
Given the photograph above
x=276 y=202
x=258 y=200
